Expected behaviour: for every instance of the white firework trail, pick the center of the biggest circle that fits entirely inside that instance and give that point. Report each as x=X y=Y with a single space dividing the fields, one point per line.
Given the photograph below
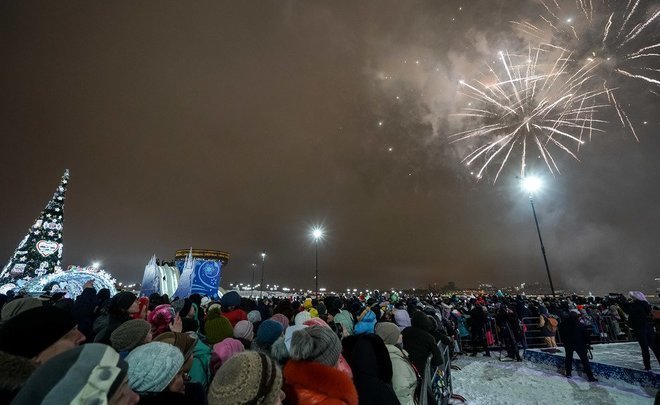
x=619 y=38
x=522 y=104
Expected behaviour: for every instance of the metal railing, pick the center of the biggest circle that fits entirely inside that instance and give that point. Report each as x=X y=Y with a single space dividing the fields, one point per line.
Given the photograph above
x=436 y=384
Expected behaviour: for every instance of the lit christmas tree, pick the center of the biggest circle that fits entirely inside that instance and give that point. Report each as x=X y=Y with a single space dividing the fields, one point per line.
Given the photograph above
x=40 y=252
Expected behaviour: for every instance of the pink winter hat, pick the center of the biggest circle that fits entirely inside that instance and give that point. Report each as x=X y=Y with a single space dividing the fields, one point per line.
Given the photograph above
x=161 y=318
x=227 y=348
x=281 y=319
x=316 y=321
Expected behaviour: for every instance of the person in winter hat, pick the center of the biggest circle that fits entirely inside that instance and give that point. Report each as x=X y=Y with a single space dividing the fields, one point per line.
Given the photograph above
x=404 y=375
x=223 y=351
x=120 y=309
x=230 y=302
x=244 y=332
x=342 y=364
x=218 y=329
x=372 y=368
x=268 y=333
x=281 y=319
x=193 y=391
x=247 y=378
x=342 y=316
x=161 y=319
x=15 y=307
x=155 y=373
x=419 y=343
x=301 y=317
x=311 y=375
x=14 y=372
x=640 y=320
x=254 y=316
x=131 y=334
x=93 y=373
x=401 y=317
x=40 y=334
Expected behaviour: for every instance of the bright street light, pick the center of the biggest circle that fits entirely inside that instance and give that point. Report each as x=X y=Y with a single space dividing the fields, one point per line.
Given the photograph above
x=531 y=184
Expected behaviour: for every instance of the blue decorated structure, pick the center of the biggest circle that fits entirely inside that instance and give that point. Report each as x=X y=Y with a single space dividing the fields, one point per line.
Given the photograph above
x=205 y=266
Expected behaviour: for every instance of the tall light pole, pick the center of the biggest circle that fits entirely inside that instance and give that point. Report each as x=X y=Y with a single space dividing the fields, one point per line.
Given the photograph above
x=317 y=234
x=254 y=267
x=263 y=264
x=532 y=184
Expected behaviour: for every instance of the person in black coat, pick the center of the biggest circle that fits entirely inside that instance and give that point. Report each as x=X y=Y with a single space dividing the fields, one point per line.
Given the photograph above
x=419 y=343
x=478 y=329
x=507 y=321
x=575 y=336
x=640 y=320
x=372 y=369
x=84 y=309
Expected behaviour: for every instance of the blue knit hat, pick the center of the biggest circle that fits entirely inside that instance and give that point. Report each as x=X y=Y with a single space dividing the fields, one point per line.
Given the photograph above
x=153 y=366
x=230 y=299
x=268 y=332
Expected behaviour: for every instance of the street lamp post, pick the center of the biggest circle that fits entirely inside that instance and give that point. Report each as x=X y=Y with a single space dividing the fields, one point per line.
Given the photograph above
x=263 y=264
x=254 y=267
x=532 y=184
x=317 y=234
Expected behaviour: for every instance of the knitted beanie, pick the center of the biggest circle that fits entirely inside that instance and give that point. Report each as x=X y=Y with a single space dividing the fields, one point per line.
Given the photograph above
x=213 y=312
x=230 y=299
x=121 y=302
x=316 y=321
x=281 y=319
x=247 y=378
x=89 y=374
x=130 y=334
x=218 y=329
x=31 y=332
x=301 y=317
x=181 y=341
x=389 y=332
x=254 y=316
x=15 y=307
x=153 y=366
x=227 y=348
x=161 y=318
x=244 y=330
x=268 y=332
x=316 y=343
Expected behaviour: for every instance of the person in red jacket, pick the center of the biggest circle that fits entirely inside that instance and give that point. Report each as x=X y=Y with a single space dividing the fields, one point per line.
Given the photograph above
x=311 y=375
x=230 y=308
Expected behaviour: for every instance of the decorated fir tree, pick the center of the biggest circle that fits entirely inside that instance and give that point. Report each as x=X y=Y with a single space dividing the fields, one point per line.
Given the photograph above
x=40 y=251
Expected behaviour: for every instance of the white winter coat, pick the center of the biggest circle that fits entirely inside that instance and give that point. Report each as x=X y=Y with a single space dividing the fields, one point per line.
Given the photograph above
x=404 y=379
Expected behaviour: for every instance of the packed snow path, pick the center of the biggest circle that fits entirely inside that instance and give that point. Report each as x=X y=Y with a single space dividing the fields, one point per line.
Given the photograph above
x=486 y=380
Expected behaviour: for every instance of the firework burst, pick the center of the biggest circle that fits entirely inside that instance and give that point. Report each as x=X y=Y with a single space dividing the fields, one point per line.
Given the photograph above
x=619 y=38
x=521 y=104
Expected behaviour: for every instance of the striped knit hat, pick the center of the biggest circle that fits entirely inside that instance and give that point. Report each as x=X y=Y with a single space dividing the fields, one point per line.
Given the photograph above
x=84 y=375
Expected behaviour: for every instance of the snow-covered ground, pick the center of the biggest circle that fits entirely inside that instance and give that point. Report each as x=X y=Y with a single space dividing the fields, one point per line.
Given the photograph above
x=486 y=380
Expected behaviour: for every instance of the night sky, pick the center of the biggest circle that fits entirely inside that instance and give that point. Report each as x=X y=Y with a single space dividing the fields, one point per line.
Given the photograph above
x=240 y=125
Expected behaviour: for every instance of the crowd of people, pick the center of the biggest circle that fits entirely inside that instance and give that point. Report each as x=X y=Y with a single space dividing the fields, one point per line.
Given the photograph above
x=125 y=349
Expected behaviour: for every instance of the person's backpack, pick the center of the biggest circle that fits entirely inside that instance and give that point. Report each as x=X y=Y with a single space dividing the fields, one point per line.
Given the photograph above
x=552 y=324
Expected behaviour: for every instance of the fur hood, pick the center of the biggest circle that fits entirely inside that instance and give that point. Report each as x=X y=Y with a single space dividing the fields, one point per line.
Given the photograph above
x=308 y=382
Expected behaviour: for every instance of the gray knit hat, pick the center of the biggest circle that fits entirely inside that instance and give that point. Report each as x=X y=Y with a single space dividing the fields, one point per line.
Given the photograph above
x=389 y=332
x=87 y=374
x=15 y=307
x=130 y=334
x=316 y=343
x=246 y=378
x=153 y=366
